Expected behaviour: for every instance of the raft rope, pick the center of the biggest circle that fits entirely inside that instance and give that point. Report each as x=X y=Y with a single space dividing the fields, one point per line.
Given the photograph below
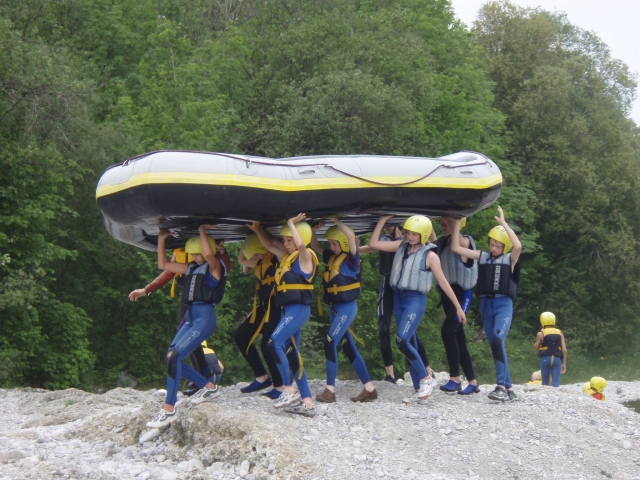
x=249 y=161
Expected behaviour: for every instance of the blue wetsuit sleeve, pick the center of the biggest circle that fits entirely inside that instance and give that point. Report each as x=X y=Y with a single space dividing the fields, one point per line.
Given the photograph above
x=353 y=262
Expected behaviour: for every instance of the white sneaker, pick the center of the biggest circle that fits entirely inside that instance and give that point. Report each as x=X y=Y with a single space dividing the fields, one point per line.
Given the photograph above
x=205 y=395
x=162 y=419
x=287 y=399
x=426 y=389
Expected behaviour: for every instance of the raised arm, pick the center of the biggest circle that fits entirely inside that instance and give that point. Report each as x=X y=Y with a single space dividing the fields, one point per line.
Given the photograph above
x=517 y=246
x=315 y=244
x=351 y=237
x=457 y=248
x=267 y=240
x=433 y=263
x=306 y=261
x=375 y=242
x=163 y=261
x=247 y=265
x=215 y=267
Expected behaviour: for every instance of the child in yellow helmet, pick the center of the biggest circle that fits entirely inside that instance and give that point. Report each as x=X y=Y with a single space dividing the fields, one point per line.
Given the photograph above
x=595 y=388
x=551 y=349
x=497 y=286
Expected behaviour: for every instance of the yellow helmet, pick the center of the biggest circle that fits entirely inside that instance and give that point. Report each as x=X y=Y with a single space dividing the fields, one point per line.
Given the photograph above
x=500 y=234
x=334 y=233
x=547 y=319
x=194 y=245
x=303 y=229
x=586 y=388
x=419 y=224
x=598 y=384
x=253 y=246
x=463 y=223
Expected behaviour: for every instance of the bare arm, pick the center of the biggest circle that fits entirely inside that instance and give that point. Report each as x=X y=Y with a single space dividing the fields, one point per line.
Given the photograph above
x=247 y=265
x=163 y=261
x=351 y=237
x=539 y=338
x=215 y=267
x=305 y=258
x=456 y=246
x=375 y=242
x=517 y=246
x=563 y=368
x=267 y=240
x=315 y=244
x=366 y=249
x=433 y=263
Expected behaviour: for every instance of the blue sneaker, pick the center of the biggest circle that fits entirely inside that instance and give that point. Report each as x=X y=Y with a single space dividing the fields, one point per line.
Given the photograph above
x=272 y=394
x=256 y=385
x=469 y=389
x=451 y=387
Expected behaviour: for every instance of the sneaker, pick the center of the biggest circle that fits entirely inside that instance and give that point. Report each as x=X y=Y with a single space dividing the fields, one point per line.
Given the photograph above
x=469 y=389
x=302 y=409
x=426 y=389
x=390 y=379
x=326 y=397
x=366 y=396
x=162 y=419
x=287 y=399
x=189 y=393
x=512 y=395
x=414 y=399
x=451 y=387
x=273 y=394
x=205 y=395
x=499 y=394
x=256 y=385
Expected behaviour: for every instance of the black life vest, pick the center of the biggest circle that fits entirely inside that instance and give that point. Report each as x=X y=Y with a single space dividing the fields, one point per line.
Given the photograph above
x=265 y=272
x=551 y=343
x=195 y=288
x=291 y=287
x=495 y=276
x=385 y=259
x=339 y=288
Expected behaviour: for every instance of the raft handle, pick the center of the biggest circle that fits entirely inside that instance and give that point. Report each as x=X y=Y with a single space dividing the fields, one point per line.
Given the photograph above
x=306 y=170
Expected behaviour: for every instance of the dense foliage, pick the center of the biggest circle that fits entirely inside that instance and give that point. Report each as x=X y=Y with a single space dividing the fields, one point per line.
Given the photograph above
x=87 y=83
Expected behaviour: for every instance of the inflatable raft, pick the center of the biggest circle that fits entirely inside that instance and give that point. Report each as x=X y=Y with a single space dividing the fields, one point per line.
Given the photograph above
x=180 y=190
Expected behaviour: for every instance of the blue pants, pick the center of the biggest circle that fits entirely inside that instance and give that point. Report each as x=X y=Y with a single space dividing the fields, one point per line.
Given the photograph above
x=409 y=307
x=547 y=369
x=293 y=319
x=342 y=316
x=496 y=315
x=199 y=325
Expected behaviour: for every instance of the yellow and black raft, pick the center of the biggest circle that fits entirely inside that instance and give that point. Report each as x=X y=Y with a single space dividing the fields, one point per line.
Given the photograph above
x=181 y=190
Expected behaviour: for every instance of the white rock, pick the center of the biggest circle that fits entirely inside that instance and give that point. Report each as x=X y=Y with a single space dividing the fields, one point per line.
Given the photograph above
x=215 y=468
x=618 y=436
x=626 y=445
x=109 y=466
x=244 y=468
x=150 y=435
x=169 y=475
x=357 y=443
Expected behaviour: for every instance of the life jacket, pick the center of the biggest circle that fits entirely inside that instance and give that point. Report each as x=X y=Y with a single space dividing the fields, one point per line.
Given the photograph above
x=195 y=289
x=495 y=276
x=411 y=273
x=551 y=343
x=455 y=271
x=385 y=259
x=292 y=287
x=338 y=287
x=265 y=272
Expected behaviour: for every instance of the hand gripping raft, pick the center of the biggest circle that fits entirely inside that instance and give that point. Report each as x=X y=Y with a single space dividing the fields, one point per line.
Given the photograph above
x=181 y=190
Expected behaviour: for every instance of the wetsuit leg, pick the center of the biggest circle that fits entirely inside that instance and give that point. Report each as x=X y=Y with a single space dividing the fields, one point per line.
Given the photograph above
x=385 y=312
x=496 y=314
x=409 y=308
x=199 y=362
x=545 y=370
x=199 y=326
x=421 y=350
x=294 y=317
x=267 y=330
x=452 y=333
x=243 y=335
x=555 y=372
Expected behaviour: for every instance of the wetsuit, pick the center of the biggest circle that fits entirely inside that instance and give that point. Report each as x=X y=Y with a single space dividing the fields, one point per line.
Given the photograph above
x=341 y=288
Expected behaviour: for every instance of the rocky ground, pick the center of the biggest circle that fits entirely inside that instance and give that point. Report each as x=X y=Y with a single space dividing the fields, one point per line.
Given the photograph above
x=546 y=433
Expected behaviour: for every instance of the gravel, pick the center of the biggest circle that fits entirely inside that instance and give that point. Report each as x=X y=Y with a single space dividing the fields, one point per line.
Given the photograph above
x=549 y=433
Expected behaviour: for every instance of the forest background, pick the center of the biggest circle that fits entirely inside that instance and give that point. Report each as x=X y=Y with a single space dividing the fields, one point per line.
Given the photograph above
x=85 y=84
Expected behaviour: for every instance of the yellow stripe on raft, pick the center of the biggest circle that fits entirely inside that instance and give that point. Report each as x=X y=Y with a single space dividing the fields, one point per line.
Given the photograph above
x=284 y=185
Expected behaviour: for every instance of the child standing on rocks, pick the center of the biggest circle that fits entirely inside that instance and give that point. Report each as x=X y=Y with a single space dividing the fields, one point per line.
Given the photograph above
x=497 y=287
x=551 y=349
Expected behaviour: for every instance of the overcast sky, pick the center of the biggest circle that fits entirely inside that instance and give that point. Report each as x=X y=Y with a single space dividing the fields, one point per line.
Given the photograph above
x=614 y=21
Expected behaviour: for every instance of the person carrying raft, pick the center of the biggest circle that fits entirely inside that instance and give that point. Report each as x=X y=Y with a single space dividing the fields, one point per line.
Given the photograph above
x=254 y=257
x=412 y=272
x=498 y=280
x=462 y=274
x=551 y=349
x=204 y=284
x=295 y=274
x=341 y=283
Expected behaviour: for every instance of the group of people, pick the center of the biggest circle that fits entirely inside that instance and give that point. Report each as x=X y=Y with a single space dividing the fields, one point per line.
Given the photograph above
x=286 y=267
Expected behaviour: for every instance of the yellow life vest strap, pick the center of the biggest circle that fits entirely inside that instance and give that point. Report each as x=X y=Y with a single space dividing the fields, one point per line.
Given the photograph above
x=335 y=289
x=285 y=287
x=265 y=319
x=355 y=337
x=268 y=280
x=173 y=287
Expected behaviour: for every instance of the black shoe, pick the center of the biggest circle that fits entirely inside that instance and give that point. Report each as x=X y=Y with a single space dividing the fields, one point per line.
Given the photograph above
x=390 y=379
x=499 y=394
x=512 y=395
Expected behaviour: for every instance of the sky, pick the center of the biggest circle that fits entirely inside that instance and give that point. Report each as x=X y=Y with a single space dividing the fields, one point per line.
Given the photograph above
x=614 y=21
